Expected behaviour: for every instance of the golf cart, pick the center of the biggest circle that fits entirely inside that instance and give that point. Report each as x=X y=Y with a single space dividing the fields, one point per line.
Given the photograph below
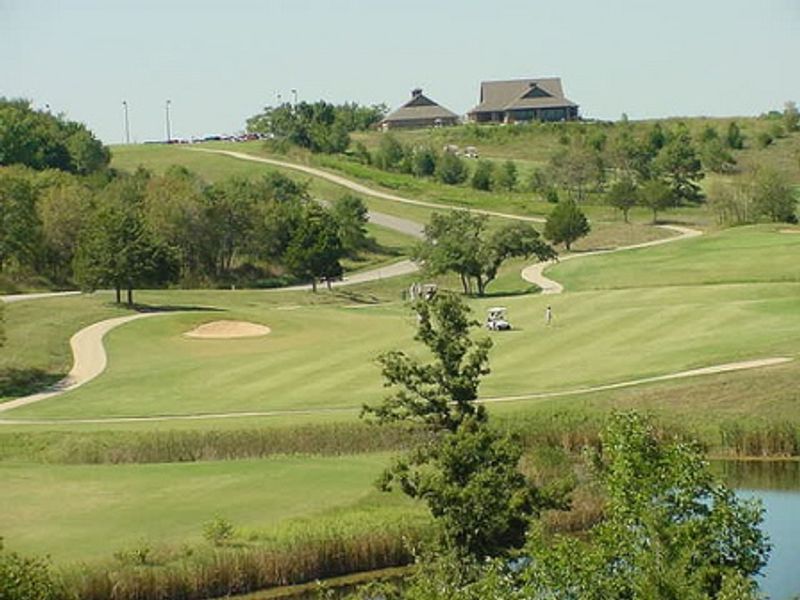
x=496 y=319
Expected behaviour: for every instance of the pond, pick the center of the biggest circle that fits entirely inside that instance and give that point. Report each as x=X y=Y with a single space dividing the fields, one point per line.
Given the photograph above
x=777 y=484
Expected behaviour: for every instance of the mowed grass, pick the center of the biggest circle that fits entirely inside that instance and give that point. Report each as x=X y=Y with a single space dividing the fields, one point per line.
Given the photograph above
x=762 y=253
x=85 y=512
x=322 y=357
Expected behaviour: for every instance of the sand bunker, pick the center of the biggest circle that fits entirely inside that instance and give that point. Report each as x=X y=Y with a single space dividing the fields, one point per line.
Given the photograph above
x=789 y=231
x=227 y=330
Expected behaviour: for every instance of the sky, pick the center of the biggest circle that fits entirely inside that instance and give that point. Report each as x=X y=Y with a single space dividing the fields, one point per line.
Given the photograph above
x=220 y=62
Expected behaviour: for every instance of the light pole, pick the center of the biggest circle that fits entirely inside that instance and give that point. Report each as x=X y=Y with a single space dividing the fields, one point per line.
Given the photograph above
x=294 y=95
x=127 y=123
x=166 y=108
x=278 y=96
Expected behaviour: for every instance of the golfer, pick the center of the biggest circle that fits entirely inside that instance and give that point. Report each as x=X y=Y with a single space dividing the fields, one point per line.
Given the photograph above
x=548 y=315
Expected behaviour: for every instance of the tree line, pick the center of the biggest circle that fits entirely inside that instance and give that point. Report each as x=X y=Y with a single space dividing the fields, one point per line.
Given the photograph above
x=129 y=230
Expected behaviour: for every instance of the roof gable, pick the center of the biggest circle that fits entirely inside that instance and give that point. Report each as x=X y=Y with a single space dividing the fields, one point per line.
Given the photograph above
x=420 y=107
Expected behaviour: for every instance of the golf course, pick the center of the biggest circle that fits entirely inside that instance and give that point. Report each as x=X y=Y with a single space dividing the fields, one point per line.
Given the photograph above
x=259 y=423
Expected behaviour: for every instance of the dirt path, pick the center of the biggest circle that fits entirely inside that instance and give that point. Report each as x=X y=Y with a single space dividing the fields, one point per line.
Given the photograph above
x=535 y=273
x=89 y=359
x=362 y=189
x=715 y=369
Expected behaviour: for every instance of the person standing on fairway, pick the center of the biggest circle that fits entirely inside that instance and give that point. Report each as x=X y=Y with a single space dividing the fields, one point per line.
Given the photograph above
x=548 y=315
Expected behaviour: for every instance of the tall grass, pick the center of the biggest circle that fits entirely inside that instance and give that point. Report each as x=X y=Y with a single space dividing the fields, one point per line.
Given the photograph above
x=301 y=552
x=101 y=447
x=570 y=431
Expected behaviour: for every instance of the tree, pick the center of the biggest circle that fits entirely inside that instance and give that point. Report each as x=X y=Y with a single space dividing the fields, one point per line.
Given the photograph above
x=175 y=211
x=482 y=176
x=576 y=168
x=734 y=138
x=669 y=529
x=774 y=196
x=20 y=229
x=678 y=162
x=623 y=195
x=513 y=240
x=716 y=157
x=40 y=140
x=423 y=161
x=315 y=248
x=441 y=395
x=117 y=249
x=459 y=242
x=63 y=210
x=468 y=473
x=391 y=154
x=452 y=243
x=351 y=216
x=451 y=169
x=657 y=196
x=566 y=223
x=506 y=176
x=791 y=117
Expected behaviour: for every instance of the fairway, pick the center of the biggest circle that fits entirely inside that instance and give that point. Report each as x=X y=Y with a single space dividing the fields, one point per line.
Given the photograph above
x=85 y=512
x=761 y=253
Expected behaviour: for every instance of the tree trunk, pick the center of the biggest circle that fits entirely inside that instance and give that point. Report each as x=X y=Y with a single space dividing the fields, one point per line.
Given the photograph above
x=481 y=285
x=655 y=216
x=130 y=295
x=118 y=292
x=464 y=283
x=567 y=245
x=625 y=215
x=314 y=285
x=328 y=283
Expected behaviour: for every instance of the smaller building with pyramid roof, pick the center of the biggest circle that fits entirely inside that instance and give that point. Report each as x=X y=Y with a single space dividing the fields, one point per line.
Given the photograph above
x=420 y=111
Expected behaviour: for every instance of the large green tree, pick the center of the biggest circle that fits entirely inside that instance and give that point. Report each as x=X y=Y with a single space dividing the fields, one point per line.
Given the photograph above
x=657 y=196
x=468 y=473
x=315 y=249
x=117 y=249
x=460 y=242
x=774 y=196
x=566 y=223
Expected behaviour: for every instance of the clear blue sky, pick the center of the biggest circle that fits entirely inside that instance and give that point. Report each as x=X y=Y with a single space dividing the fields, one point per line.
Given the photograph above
x=220 y=62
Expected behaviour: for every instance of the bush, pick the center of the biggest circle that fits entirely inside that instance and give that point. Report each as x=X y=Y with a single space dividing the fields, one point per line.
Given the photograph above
x=26 y=578
x=451 y=169
x=218 y=531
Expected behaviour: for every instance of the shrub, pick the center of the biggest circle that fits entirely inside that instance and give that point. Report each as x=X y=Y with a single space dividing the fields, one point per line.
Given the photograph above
x=26 y=578
x=218 y=531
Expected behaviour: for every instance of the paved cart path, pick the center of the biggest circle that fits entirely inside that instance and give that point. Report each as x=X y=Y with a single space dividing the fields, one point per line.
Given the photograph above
x=362 y=189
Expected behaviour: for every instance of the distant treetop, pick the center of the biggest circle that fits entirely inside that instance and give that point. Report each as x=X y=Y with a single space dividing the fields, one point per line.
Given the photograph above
x=41 y=140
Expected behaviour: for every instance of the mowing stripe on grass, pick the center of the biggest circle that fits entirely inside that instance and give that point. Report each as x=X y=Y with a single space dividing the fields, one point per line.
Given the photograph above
x=711 y=370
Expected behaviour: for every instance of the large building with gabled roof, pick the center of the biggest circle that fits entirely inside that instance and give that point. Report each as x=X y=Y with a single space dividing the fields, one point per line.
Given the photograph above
x=523 y=100
x=420 y=111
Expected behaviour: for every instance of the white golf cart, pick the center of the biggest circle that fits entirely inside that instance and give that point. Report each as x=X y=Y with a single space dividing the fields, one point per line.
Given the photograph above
x=496 y=319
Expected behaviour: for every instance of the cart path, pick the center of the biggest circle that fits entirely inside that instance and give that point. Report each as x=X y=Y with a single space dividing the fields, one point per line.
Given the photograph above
x=9 y=298
x=535 y=273
x=712 y=370
x=362 y=189
x=89 y=359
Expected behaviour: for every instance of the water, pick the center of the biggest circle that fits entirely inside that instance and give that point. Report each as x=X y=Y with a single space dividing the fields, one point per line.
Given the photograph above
x=777 y=484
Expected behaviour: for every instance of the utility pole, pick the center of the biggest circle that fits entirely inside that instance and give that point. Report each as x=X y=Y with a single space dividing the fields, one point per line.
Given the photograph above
x=127 y=123
x=294 y=94
x=166 y=107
